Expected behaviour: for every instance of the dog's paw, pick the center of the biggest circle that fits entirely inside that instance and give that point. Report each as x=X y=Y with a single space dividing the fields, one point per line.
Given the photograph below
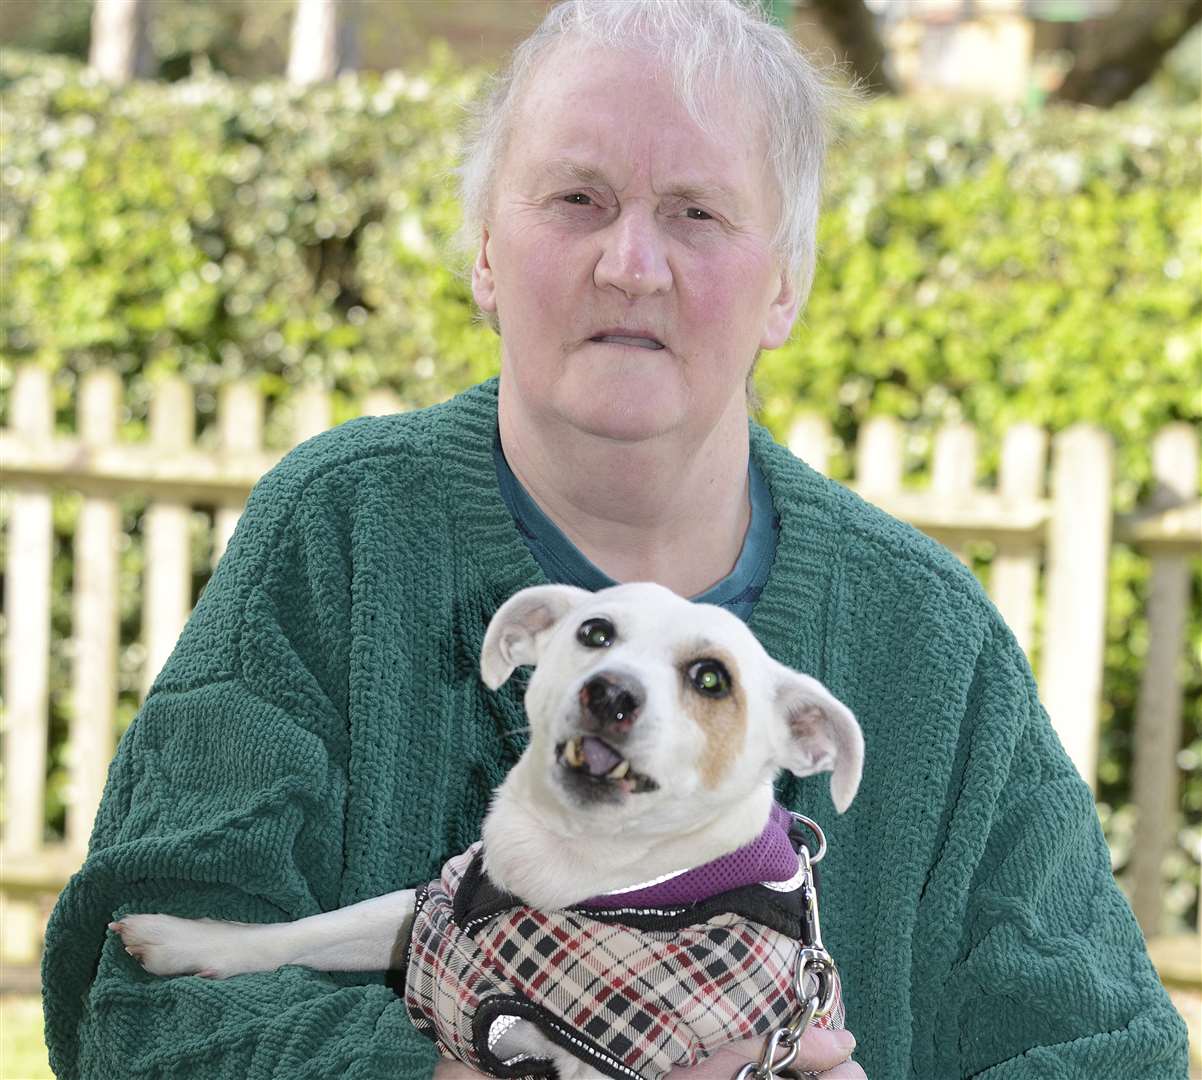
x=167 y=945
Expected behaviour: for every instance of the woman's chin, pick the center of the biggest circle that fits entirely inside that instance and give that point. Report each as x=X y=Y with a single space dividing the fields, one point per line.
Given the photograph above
x=627 y=409
x=623 y=423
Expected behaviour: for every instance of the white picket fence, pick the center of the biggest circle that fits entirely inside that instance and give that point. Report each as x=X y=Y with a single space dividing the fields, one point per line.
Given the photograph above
x=1068 y=530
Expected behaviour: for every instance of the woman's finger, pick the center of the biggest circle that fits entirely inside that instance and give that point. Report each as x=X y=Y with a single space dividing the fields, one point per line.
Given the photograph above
x=847 y=1070
x=821 y=1049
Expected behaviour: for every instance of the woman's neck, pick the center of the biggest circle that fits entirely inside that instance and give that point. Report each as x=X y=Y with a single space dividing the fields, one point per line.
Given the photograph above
x=668 y=509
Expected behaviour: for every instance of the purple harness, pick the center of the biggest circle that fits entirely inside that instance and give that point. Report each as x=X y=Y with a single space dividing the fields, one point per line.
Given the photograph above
x=770 y=857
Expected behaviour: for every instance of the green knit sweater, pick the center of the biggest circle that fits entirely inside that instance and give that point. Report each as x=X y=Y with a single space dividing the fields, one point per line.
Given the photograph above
x=320 y=735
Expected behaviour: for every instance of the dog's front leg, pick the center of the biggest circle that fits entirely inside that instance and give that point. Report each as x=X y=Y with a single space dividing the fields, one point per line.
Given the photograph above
x=368 y=936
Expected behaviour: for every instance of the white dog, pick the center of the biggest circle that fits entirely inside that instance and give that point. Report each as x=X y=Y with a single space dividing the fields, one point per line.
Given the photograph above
x=657 y=727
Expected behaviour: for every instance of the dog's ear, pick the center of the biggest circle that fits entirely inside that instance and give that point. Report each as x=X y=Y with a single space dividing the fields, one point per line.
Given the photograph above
x=518 y=630
x=821 y=734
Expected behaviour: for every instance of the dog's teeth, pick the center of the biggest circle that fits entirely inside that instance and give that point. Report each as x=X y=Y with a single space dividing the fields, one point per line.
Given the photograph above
x=619 y=771
x=571 y=751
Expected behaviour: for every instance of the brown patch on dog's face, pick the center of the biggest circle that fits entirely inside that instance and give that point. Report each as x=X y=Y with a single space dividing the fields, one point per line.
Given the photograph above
x=722 y=717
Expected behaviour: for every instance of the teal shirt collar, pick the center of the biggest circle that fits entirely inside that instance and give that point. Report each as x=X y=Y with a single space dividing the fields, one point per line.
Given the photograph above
x=564 y=563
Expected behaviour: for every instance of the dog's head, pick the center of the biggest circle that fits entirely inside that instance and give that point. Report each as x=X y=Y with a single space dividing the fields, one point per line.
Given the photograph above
x=641 y=701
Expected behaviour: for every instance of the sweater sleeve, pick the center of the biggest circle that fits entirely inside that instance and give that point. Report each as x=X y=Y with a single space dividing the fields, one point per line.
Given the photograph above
x=1049 y=975
x=227 y=799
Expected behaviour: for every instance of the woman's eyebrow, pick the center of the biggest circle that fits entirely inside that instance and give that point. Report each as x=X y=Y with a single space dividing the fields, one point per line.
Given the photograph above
x=705 y=192
x=573 y=170
x=698 y=190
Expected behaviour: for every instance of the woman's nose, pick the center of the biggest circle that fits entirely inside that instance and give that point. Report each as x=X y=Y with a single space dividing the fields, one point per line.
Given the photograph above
x=633 y=258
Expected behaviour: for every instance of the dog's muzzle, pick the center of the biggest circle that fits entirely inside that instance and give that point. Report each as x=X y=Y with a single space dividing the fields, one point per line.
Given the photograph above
x=594 y=763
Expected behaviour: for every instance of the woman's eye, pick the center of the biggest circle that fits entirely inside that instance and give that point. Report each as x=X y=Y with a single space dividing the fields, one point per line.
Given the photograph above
x=710 y=678
x=695 y=213
x=578 y=198
x=596 y=633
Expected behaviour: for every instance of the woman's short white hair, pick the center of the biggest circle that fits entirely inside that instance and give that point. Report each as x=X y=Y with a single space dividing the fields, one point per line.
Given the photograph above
x=700 y=43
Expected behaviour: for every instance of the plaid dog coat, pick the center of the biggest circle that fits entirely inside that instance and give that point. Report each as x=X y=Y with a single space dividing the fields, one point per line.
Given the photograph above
x=636 y=982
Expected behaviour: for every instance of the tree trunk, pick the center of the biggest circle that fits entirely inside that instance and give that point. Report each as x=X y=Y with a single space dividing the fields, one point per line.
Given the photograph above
x=854 y=29
x=323 y=41
x=120 y=48
x=1119 y=71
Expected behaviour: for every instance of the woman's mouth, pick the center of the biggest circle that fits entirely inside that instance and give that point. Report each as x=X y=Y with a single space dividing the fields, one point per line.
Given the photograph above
x=623 y=339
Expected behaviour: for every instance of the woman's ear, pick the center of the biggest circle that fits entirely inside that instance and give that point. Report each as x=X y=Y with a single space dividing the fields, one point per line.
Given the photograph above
x=519 y=630
x=782 y=314
x=484 y=286
x=821 y=735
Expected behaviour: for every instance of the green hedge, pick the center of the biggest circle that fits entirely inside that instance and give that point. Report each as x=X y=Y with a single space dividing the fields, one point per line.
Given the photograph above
x=975 y=262
x=221 y=229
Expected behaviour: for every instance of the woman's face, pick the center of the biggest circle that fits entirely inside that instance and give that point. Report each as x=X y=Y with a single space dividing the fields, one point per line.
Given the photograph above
x=618 y=225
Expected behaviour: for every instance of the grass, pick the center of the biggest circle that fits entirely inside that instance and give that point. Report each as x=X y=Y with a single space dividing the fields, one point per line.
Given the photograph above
x=22 y=1051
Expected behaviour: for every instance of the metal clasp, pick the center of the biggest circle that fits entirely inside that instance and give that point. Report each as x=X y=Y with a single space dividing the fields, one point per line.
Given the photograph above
x=801 y=819
x=781 y=1046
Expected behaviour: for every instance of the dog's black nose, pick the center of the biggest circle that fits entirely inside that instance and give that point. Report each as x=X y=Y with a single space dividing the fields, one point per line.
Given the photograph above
x=612 y=701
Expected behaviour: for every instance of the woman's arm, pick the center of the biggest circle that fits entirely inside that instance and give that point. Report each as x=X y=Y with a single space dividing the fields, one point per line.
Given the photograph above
x=228 y=798
x=1048 y=973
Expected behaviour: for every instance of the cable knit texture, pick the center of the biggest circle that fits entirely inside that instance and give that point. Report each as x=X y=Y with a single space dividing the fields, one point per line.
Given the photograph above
x=320 y=735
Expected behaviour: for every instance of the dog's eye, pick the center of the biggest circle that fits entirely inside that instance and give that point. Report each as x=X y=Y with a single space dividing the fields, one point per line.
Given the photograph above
x=596 y=633
x=710 y=678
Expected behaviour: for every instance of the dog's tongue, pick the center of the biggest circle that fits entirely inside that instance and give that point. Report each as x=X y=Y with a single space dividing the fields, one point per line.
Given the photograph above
x=599 y=757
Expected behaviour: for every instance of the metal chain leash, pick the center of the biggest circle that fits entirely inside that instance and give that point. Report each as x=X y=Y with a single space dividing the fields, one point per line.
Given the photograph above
x=813 y=968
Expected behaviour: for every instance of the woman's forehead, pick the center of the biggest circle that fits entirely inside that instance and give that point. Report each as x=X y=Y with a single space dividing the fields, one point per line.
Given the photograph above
x=591 y=115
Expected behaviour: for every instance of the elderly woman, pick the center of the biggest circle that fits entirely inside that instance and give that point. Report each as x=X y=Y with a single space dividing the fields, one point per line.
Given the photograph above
x=644 y=192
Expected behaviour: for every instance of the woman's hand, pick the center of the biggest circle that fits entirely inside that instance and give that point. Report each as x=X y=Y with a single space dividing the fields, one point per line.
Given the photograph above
x=820 y=1051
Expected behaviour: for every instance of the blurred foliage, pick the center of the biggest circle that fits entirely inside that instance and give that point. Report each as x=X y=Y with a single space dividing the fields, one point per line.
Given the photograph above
x=976 y=264
x=48 y=26
x=233 y=36
x=995 y=266
x=250 y=39
x=220 y=229
x=1178 y=81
